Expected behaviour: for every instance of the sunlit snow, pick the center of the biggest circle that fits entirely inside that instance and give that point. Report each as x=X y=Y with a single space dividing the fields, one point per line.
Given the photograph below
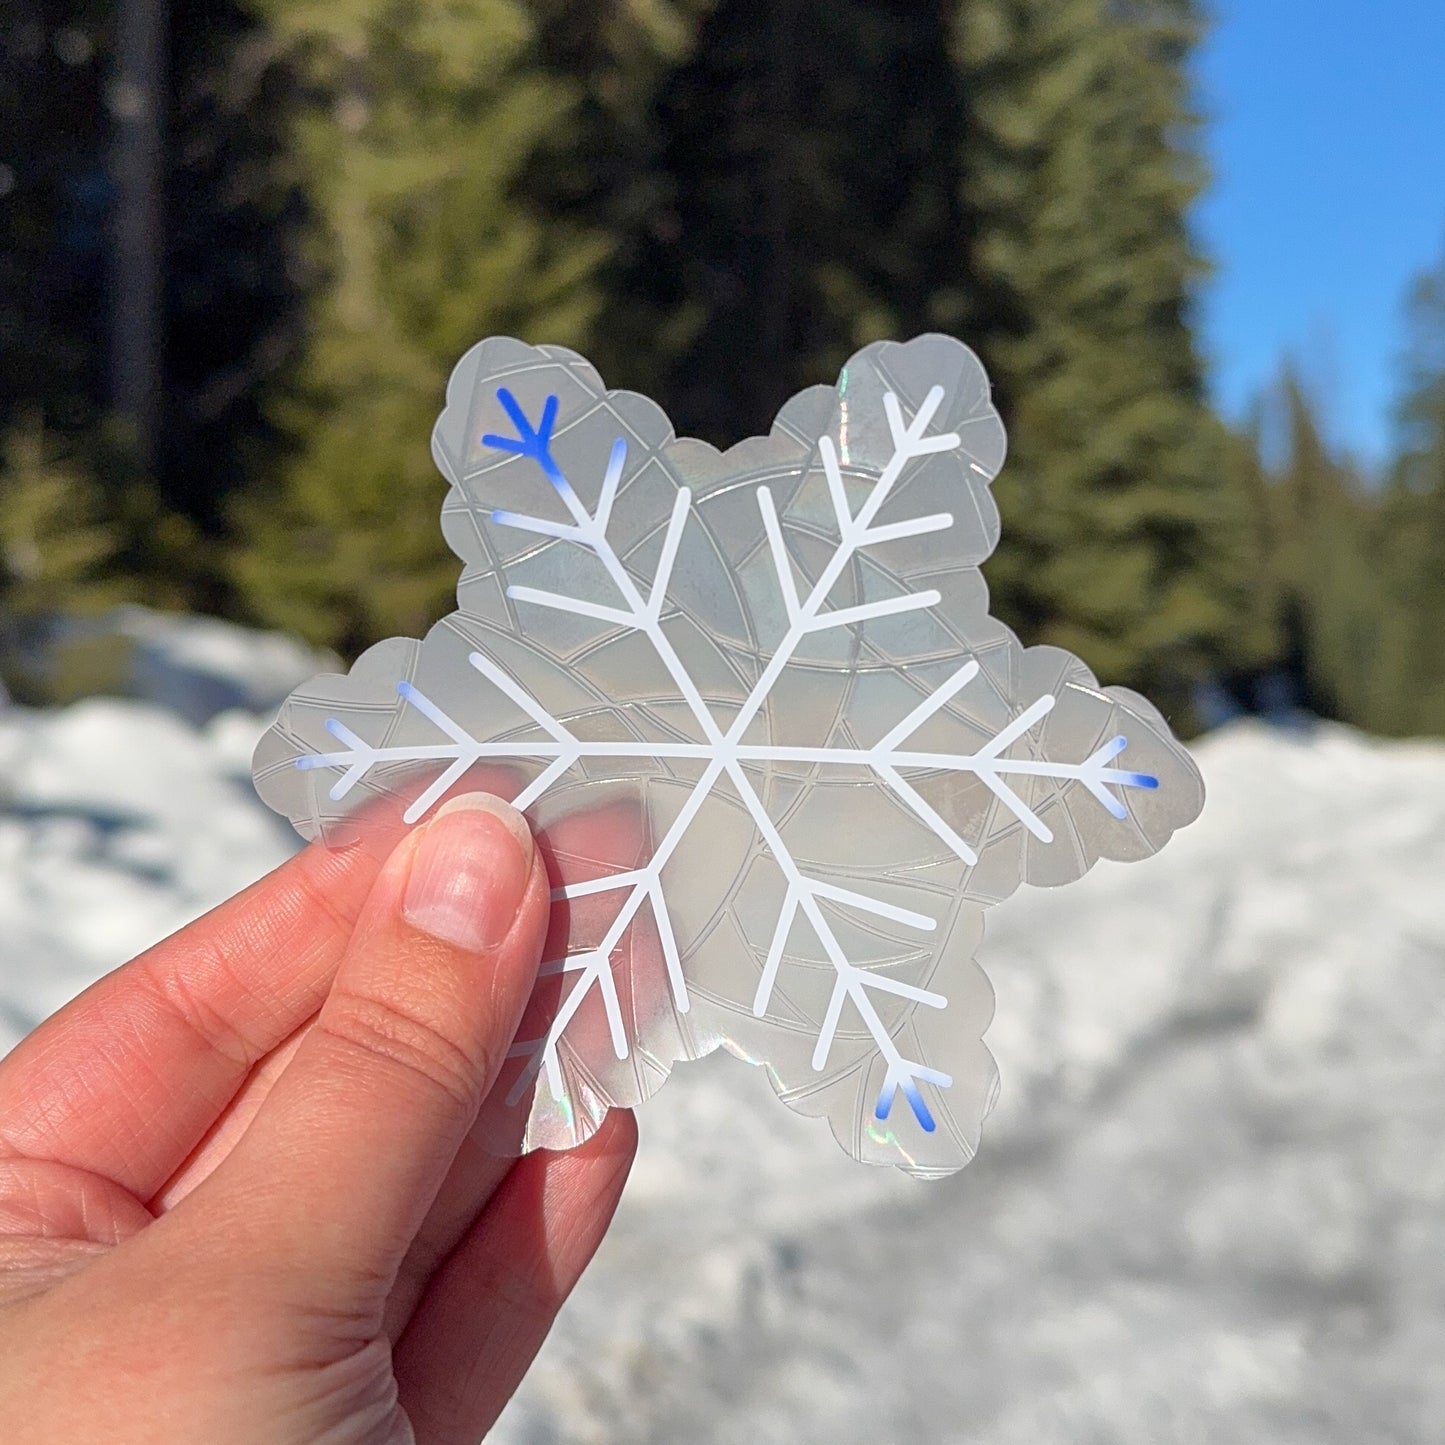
x=1207 y=1207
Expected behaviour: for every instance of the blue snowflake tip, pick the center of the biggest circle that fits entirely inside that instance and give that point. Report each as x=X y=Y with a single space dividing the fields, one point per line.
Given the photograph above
x=1143 y=780
x=920 y=1109
x=915 y=1101
x=406 y=690
x=549 y=418
x=505 y=444
x=333 y=726
x=513 y=408
x=305 y=764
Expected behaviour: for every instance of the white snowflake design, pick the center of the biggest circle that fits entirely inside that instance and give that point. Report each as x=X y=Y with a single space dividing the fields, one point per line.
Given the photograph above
x=701 y=609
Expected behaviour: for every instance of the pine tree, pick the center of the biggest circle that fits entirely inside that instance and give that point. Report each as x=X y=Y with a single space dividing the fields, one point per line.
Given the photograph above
x=234 y=212
x=1256 y=658
x=1324 y=538
x=418 y=120
x=1129 y=539
x=227 y=258
x=802 y=205
x=610 y=56
x=53 y=199
x=57 y=549
x=1412 y=686
x=55 y=543
x=606 y=167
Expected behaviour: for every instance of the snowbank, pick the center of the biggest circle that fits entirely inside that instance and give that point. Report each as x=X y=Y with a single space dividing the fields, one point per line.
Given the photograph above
x=119 y=822
x=1206 y=1209
x=196 y=667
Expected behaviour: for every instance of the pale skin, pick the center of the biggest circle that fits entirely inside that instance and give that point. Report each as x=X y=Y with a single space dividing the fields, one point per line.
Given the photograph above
x=239 y=1196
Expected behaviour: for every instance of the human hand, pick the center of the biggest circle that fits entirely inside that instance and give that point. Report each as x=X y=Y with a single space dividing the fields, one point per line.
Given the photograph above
x=239 y=1196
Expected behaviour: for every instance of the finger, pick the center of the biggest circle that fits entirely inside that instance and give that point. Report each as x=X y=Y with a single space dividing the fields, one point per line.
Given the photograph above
x=584 y=843
x=125 y=1081
x=607 y=836
x=43 y=1200
x=468 y=1188
x=332 y=1180
x=595 y=839
x=226 y=1132
x=491 y=1304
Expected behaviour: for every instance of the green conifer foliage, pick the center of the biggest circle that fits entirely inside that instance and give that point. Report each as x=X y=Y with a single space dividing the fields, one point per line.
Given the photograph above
x=233 y=230
x=1412 y=685
x=611 y=56
x=1128 y=536
x=801 y=204
x=57 y=549
x=1324 y=537
x=53 y=214
x=418 y=121
x=1258 y=636
x=55 y=545
x=606 y=168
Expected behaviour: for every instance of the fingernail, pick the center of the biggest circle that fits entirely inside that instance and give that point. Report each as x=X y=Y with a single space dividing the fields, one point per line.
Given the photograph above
x=470 y=872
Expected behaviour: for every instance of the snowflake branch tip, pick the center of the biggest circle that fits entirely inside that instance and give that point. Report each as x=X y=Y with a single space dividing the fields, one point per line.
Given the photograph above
x=356 y=760
x=610 y=482
x=534 y=442
x=910 y=438
x=937 y=699
x=1108 y=753
x=871 y=611
x=1096 y=777
x=543 y=528
x=903 y=1078
x=671 y=541
x=342 y=733
x=557 y=602
x=834 y=474
x=782 y=564
x=914 y=527
x=854 y=983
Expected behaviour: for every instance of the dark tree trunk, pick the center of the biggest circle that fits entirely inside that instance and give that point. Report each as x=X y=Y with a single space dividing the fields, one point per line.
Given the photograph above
x=136 y=100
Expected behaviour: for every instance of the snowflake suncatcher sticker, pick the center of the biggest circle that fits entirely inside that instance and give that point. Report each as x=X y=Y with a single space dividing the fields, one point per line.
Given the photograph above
x=779 y=756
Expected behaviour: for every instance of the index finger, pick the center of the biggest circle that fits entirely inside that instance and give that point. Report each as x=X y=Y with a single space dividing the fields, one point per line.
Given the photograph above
x=124 y=1081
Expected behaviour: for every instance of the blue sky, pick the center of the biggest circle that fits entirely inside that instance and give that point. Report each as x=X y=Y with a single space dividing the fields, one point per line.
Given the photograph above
x=1327 y=136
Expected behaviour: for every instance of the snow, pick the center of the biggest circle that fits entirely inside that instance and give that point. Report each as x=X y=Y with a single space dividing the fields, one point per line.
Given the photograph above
x=1207 y=1208
x=119 y=822
x=197 y=667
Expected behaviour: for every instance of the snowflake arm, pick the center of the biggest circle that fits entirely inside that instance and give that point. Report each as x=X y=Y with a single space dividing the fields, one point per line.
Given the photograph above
x=643 y=885
x=852 y=982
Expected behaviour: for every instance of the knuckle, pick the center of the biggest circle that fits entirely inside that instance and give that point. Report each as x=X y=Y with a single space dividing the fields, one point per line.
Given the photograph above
x=185 y=996
x=389 y=1036
x=312 y=891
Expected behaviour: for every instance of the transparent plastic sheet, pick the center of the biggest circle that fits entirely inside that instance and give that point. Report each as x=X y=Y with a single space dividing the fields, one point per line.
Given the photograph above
x=779 y=757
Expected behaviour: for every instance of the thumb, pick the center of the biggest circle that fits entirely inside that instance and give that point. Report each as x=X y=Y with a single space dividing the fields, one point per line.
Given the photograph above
x=337 y=1171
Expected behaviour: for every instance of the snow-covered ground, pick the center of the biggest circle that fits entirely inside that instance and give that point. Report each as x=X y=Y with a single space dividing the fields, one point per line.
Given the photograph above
x=1209 y=1207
